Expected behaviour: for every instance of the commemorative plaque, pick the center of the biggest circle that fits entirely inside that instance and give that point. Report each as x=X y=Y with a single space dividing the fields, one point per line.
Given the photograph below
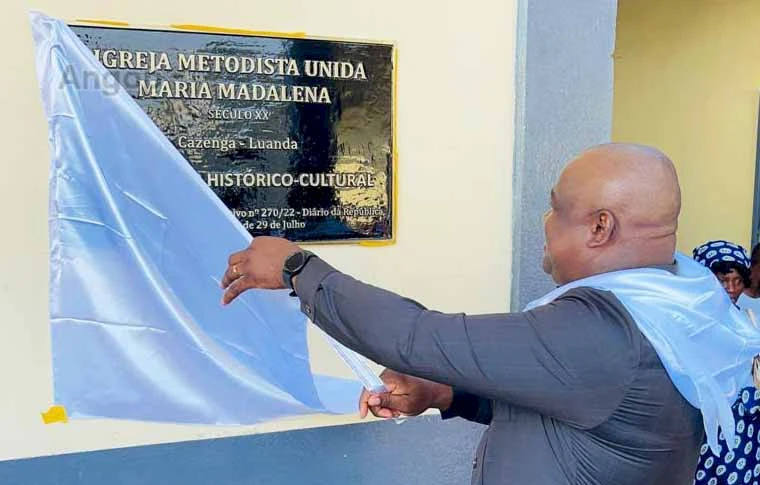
x=295 y=135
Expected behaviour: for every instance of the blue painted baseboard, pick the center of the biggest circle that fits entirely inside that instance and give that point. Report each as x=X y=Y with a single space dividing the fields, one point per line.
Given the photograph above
x=421 y=451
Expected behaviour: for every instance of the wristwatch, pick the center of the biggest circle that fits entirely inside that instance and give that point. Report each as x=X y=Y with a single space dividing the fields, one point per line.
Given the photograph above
x=294 y=265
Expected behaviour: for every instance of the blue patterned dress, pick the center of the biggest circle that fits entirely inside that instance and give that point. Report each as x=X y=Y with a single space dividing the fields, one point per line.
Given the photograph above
x=742 y=465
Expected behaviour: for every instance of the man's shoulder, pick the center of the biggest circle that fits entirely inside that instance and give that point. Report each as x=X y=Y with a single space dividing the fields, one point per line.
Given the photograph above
x=597 y=311
x=603 y=300
x=587 y=310
x=610 y=321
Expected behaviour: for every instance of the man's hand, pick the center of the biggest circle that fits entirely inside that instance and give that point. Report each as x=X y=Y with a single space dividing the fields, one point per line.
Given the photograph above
x=406 y=395
x=258 y=266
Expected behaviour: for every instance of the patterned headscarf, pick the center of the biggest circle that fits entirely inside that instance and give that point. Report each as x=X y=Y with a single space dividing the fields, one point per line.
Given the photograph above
x=717 y=251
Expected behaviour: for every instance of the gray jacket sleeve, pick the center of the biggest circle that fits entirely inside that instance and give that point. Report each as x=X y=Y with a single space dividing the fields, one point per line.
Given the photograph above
x=571 y=360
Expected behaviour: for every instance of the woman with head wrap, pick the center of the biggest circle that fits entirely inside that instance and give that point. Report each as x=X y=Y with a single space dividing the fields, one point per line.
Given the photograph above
x=730 y=264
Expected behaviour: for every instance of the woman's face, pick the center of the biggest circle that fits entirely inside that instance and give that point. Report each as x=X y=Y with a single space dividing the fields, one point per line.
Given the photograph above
x=732 y=282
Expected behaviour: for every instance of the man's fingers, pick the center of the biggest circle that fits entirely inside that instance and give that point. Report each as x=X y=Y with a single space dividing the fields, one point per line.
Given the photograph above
x=233 y=272
x=363 y=407
x=392 y=401
x=381 y=412
x=370 y=403
x=385 y=405
x=236 y=288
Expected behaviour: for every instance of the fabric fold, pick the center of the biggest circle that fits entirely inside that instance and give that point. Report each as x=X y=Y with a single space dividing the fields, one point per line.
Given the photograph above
x=137 y=244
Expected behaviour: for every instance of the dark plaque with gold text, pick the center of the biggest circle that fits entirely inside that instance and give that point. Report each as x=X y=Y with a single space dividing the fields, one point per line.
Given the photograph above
x=295 y=135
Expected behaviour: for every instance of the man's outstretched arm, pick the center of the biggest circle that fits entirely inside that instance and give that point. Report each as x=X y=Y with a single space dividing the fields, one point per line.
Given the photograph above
x=572 y=359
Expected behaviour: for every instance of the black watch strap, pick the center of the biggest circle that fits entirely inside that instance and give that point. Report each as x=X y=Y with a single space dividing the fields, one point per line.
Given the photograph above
x=294 y=264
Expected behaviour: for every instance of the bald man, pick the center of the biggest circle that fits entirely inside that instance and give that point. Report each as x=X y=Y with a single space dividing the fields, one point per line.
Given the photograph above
x=572 y=392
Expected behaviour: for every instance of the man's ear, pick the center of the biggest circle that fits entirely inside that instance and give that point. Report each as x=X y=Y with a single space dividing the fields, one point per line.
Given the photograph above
x=603 y=228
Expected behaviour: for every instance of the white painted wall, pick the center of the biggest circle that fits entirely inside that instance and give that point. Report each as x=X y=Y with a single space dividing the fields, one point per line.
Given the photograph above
x=455 y=139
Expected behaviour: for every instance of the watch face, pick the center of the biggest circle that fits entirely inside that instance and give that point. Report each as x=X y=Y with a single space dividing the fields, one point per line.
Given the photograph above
x=294 y=262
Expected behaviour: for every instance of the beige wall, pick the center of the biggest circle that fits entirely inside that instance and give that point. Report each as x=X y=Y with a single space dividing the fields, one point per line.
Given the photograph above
x=455 y=143
x=687 y=74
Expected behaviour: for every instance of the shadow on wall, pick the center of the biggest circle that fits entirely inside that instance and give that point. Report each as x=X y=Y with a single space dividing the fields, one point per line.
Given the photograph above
x=423 y=450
